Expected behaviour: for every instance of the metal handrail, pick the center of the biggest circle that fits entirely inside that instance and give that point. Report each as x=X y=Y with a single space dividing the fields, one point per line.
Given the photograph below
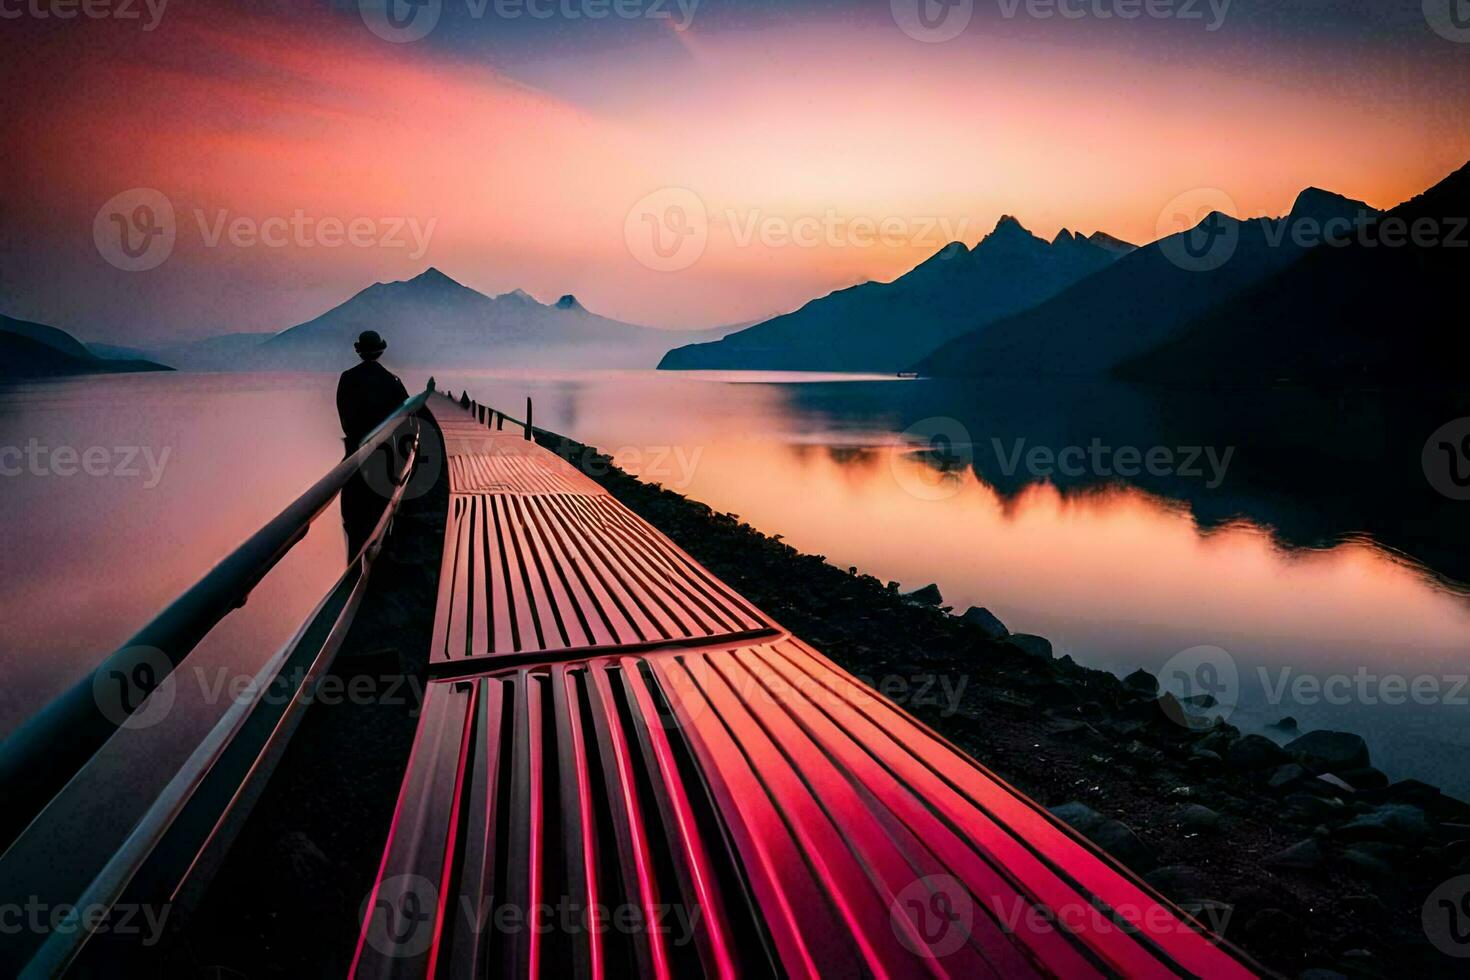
x=46 y=752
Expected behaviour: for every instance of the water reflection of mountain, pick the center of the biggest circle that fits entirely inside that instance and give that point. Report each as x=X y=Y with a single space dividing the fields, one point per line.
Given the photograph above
x=1314 y=468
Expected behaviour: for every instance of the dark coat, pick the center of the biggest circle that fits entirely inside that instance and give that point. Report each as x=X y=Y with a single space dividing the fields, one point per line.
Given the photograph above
x=366 y=395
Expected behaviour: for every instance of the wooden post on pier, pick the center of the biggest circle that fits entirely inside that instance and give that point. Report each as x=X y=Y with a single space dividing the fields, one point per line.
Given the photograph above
x=528 y=418
x=500 y=420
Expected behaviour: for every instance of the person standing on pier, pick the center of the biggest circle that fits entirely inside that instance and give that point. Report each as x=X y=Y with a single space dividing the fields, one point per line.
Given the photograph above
x=366 y=395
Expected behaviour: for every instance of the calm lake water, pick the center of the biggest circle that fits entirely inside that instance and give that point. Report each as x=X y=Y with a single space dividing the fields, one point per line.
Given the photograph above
x=1282 y=551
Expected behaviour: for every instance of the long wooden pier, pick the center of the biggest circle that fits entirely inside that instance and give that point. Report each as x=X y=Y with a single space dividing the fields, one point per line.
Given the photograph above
x=624 y=768
x=621 y=768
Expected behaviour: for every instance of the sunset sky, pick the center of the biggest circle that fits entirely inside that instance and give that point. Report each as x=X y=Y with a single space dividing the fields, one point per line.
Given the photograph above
x=520 y=146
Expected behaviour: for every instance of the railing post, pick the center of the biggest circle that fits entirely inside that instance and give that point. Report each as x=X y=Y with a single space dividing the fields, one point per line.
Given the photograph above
x=500 y=421
x=529 y=426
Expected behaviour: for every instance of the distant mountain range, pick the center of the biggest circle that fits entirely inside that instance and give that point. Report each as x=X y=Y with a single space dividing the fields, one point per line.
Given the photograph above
x=1146 y=298
x=1381 y=309
x=887 y=326
x=35 y=350
x=433 y=321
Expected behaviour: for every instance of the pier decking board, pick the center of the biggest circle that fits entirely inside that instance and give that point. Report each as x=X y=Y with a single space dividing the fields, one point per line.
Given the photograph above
x=769 y=813
x=537 y=557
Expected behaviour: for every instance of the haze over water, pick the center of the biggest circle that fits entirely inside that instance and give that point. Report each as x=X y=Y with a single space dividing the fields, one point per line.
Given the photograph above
x=1119 y=573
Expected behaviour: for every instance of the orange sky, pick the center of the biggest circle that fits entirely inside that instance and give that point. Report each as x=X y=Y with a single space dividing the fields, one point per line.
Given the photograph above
x=530 y=185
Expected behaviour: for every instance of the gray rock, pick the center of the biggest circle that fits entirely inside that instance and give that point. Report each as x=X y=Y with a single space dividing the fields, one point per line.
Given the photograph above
x=1119 y=840
x=1287 y=724
x=1142 y=681
x=1197 y=818
x=1179 y=882
x=1217 y=742
x=1253 y=752
x=1306 y=808
x=1390 y=822
x=1365 y=778
x=1284 y=778
x=1328 y=785
x=929 y=595
x=1330 y=750
x=1113 y=836
x=986 y=621
x=1036 y=646
x=1079 y=816
x=1366 y=864
x=1305 y=855
x=1205 y=701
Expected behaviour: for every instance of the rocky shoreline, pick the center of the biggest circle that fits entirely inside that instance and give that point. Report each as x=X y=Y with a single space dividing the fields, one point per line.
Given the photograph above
x=1302 y=854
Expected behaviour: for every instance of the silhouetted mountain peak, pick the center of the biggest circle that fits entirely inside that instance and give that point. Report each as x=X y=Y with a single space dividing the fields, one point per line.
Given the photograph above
x=1009 y=225
x=432 y=277
x=1065 y=237
x=569 y=302
x=1320 y=205
x=1109 y=243
x=519 y=295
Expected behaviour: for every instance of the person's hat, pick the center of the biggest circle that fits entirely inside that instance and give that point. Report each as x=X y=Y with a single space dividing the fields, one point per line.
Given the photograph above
x=368 y=342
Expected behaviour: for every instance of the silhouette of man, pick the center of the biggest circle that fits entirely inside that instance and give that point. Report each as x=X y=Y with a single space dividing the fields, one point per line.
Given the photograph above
x=366 y=395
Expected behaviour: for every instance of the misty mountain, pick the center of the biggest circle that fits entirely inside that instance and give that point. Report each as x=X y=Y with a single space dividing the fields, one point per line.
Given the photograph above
x=35 y=350
x=886 y=326
x=226 y=352
x=1380 y=309
x=1147 y=296
x=434 y=321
